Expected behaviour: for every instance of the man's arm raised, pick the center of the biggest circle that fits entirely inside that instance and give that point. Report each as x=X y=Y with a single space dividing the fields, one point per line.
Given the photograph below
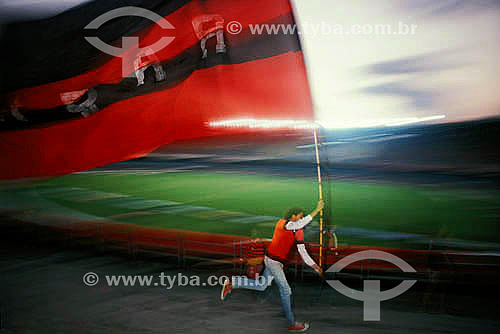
x=319 y=207
x=301 y=223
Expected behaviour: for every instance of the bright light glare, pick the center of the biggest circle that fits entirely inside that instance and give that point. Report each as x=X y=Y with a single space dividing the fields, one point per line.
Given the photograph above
x=264 y=124
x=330 y=124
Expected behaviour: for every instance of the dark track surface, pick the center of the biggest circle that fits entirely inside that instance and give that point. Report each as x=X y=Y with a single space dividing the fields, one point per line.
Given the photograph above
x=42 y=291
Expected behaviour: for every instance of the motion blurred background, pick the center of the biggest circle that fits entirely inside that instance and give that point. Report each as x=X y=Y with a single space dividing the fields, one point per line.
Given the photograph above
x=408 y=137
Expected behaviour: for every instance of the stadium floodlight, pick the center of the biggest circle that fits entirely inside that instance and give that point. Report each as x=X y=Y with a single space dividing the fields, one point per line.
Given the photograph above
x=252 y=123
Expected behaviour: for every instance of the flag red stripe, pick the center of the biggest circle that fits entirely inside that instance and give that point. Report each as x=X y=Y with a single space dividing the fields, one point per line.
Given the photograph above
x=273 y=88
x=47 y=96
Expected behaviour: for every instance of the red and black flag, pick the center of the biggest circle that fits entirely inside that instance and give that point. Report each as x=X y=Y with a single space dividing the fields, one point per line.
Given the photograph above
x=68 y=106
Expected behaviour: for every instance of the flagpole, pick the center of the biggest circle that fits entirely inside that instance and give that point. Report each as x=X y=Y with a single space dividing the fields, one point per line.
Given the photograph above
x=320 y=188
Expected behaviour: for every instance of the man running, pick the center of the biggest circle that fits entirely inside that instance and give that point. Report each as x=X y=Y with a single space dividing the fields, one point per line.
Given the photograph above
x=288 y=231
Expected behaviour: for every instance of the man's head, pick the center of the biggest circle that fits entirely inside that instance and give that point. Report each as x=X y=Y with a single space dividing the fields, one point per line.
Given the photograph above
x=294 y=214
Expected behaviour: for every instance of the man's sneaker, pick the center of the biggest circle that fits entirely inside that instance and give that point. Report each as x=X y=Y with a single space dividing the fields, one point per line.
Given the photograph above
x=299 y=327
x=226 y=289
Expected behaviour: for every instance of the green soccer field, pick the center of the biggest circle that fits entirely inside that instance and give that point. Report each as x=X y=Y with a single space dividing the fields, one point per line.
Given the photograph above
x=233 y=203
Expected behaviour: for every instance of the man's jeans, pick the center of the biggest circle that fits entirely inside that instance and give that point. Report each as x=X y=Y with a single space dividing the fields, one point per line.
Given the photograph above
x=273 y=270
